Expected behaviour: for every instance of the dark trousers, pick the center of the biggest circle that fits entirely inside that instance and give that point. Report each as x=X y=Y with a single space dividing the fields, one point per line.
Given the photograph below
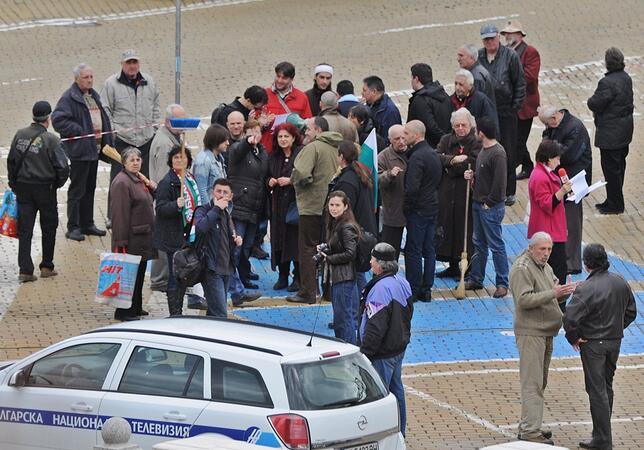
x=80 y=196
x=614 y=168
x=599 y=359
x=523 y=154
x=308 y=237
x=137 y=296
x=116 y=167
x=508 y=139
x=419 y=252
x=247 y=231
x=392 y=236
x=33 y=198
x=575 y=222
x=285 y=267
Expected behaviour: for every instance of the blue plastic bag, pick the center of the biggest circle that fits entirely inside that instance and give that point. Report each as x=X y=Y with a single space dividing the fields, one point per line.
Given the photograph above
x=116 y=279
x=9 y=215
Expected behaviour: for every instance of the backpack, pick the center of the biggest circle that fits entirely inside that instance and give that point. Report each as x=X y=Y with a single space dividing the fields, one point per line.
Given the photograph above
x=366 y=243
x=216 y=114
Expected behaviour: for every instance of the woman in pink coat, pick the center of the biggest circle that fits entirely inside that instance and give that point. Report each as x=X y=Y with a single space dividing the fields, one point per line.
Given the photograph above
x=547 y=196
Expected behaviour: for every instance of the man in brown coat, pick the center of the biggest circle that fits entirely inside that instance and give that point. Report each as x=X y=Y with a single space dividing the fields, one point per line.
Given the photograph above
x=391 y=183
x=337 y=122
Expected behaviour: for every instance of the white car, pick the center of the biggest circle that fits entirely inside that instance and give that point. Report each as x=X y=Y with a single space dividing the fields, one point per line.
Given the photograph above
x=180 y=377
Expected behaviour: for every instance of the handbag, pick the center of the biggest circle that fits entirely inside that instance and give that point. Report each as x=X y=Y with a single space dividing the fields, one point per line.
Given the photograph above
x=9 y=215
x=116 y=279
x=292 y=214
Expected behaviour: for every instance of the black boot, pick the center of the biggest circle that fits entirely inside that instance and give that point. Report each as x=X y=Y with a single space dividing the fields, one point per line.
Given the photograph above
x=175 y=303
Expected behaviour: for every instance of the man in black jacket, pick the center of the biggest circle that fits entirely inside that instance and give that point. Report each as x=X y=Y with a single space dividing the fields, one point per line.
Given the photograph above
x=385 y=323
x=420 y=206
x=595 y=319
x=80 y=117
x=509 y=91
x=429 y=103
x=37 y=167
x=612 y=106
x=254 y=98
x=572 y=135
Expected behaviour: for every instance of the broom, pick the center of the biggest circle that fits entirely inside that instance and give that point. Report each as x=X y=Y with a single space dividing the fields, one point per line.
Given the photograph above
x=460 y=290
x=112 y=153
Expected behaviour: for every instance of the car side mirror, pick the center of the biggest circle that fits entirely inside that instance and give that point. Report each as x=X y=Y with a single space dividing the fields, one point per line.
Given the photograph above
x=18 y=379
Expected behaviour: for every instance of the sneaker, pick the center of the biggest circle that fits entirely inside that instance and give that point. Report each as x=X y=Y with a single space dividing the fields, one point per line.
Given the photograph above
x=46 y=272
x=500 y=292
x=75 y=235
x=201 y=305
x=27 y=277
x=539 y=439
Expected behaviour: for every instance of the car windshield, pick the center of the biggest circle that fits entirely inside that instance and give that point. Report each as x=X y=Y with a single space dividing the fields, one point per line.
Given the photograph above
x=332 y=383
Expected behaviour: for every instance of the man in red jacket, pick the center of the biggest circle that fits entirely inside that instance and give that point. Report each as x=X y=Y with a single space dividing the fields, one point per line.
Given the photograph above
x=531 y=62
x=283 y=98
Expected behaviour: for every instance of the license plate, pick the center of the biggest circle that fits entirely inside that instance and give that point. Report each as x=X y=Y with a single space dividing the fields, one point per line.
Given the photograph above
x=369 y=446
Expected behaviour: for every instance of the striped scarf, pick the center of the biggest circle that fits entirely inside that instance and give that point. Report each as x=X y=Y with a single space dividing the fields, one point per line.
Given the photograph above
x=192 y=201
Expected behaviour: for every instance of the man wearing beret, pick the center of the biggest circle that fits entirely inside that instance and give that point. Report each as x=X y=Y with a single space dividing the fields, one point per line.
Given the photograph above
x=37 y=167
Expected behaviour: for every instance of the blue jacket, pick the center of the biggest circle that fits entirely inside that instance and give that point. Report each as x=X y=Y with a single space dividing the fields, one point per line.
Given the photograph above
x=385 y=114
x=386 y=312
x=208 y=168
x=208 y=221
x=71 y=118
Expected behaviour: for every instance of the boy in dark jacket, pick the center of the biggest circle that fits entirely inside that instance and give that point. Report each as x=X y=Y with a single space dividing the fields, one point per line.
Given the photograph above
x=385 y=324
x=216 y=231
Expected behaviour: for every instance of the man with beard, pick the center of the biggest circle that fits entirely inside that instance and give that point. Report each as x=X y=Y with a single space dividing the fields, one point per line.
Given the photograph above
x=322 y=76
x=457 y=151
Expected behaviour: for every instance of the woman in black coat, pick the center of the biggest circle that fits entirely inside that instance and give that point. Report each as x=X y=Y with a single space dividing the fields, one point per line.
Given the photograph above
x=173 y=218
x=455 y=150
x=287 y=143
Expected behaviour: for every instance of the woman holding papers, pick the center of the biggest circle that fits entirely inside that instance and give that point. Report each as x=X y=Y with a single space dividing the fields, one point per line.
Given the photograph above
x=547 y=196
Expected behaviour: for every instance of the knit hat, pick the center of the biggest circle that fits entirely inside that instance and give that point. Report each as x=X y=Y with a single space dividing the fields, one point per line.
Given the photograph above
x=41 y=110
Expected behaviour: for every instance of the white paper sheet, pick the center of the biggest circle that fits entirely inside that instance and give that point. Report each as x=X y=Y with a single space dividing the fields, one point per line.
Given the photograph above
x=580 y=188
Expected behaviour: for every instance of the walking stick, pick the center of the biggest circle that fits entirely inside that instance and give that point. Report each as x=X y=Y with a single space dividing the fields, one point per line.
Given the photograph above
x=460 y=290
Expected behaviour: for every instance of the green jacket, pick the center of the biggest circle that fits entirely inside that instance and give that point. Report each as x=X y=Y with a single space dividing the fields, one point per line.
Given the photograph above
x=313 y=169
x=536 y=310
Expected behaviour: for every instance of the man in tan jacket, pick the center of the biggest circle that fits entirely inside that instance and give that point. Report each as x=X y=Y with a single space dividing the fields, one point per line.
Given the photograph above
x=537 y=319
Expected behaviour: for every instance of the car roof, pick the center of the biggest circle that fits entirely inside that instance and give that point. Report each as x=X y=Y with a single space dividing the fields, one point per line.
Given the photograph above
x=270 y=339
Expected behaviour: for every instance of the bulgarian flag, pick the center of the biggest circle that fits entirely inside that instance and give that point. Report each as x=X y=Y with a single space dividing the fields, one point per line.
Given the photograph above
x=369 y=158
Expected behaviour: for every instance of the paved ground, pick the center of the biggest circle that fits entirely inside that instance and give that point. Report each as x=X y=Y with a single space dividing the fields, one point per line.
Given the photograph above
x=462 y=380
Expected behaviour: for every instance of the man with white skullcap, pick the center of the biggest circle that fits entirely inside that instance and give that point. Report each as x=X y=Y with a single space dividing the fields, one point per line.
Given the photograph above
x=323 y=74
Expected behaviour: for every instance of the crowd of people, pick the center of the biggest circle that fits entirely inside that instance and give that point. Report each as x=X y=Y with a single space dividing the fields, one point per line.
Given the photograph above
x=291 y=159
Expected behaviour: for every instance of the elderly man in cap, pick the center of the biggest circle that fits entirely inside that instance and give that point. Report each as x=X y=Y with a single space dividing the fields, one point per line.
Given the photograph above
x=323 y=73
x=531 y=63
x=131 y=100
x=385 y=322
x=80 y=117
x=509 y=91
x=37 y=167
x=537 y=319
x=337 y=122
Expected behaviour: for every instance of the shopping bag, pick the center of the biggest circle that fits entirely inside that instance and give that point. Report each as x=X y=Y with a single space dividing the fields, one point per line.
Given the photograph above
x=9 y=215
x=116 y=279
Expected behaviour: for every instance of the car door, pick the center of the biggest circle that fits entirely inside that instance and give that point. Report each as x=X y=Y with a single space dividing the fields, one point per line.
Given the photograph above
x=159 y=390
x=58 y=396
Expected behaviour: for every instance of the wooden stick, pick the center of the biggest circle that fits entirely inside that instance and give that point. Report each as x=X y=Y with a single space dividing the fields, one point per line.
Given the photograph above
x=113 y=154
x=183 y=171
x=460 y=290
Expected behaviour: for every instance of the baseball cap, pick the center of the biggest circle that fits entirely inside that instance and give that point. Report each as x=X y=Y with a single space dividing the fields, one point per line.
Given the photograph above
x=129 y=54
x=41 y=110
x=489 y=30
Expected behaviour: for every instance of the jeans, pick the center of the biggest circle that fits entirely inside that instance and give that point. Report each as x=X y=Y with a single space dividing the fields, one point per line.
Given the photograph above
x=80 y=196
x=344 y=298
x=599 y=359
x=215 y=288
x=420 y=248
x=33 y=198
x=390 y=370
x=487 y=233
x=361 y=281
x=247 y=231
x=236 y=288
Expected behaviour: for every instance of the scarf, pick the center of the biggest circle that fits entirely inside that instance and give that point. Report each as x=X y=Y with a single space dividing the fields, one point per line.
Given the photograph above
x=192 y=201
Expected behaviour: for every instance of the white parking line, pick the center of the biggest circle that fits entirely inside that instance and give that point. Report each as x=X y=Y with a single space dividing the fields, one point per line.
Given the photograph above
x=450 y=373
x=514 y=426
x=468 y=361
x=469 y=416
x=439 y=25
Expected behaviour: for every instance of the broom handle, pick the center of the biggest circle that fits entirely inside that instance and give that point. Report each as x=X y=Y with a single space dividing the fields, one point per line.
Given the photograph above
x=183 y=171
x=467 y=205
